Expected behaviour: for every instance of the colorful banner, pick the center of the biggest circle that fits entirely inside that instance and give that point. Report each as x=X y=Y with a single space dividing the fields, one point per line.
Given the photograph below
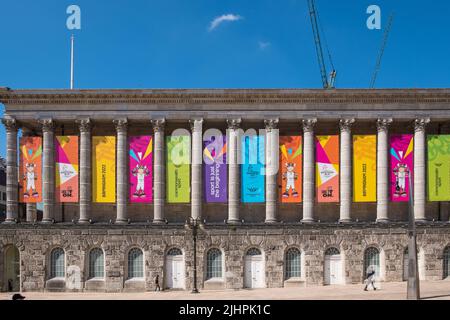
x=141 y=169
x=402 y=156
x=104 y=169
x=439 y=168
x=252 y=169
x=290 y=177
x=327 y=168
x=215 y=169
x=178 y=169
x=30 y=170
x=364 y=168
x=66 y=157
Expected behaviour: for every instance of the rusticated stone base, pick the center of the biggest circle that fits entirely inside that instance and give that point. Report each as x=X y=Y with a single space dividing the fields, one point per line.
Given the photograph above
x=35 y=243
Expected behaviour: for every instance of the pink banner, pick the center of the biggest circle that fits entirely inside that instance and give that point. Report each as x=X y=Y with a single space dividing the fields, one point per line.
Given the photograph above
x=141 y=169
x=402 y=156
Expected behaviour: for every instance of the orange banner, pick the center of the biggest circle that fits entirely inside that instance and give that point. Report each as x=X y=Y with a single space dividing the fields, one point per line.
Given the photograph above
x=290 y=177
x=30 y=170
x=66 y=157
x=327 y=168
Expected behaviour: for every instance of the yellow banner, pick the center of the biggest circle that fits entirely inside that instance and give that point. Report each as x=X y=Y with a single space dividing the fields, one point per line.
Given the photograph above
x=104 y=169
x=365 y=168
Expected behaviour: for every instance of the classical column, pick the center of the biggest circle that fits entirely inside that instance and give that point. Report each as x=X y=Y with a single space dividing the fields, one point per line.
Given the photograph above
x=346 y=169
x=308 y=169
x=419 y=168
x=48 y=170
x=121 y=172
x=31 y=212
x=12 y=187
x=31 y=208
x=85 y=170
x=382 y=169
x=159 y=191
x=272 y=164
x=196 y=165
x=233 y=170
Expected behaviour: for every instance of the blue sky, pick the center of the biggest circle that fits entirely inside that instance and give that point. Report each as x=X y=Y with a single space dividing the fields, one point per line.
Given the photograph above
x=169 y=44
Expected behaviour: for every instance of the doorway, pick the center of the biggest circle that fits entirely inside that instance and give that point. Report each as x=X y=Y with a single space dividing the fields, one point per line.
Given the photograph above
x=12 y=269
x=254 y=274
x=175 y=276
x=333 y=267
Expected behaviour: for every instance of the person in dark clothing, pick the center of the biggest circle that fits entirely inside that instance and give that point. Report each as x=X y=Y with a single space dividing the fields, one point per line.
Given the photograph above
x=157 y=287
x=10 y=285
x=370 y=279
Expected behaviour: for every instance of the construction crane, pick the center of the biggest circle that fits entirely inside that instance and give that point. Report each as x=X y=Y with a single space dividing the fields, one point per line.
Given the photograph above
x=327 y=83
x=380 y=55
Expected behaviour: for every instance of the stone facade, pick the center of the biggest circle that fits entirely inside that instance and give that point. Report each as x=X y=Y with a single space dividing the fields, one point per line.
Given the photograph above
x=233 y=227
x=36 y=241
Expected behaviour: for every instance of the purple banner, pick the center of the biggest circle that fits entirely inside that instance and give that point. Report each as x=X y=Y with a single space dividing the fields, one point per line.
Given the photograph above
x=141 y=169
x=215 y=169
x=402 y=156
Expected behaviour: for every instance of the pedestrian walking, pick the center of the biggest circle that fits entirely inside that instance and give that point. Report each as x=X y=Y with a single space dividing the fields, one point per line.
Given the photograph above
x=370 y=278
x=157 y=287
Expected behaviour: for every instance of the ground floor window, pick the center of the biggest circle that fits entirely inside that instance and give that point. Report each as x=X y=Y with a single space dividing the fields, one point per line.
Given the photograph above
x=446 y=262
x=293 y=263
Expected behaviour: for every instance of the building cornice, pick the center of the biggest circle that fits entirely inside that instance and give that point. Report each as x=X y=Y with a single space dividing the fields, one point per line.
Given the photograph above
x=225 y=96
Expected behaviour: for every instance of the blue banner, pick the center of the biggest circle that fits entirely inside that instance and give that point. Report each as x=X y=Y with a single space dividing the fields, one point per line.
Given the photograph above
x=252 y=169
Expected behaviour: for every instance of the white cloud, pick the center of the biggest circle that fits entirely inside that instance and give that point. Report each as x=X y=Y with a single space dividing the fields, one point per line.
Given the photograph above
x=263 y=44
x=225 y=17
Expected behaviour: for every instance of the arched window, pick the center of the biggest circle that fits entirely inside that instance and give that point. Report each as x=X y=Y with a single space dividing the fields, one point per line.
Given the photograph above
x=96 y=263
x=135 y=263
x=293 y=263
x=332 y=251
x=446 y=259
x=174 y=252
x=372 y=259
x=57 y=263
x=214 y=264
x=253 y=252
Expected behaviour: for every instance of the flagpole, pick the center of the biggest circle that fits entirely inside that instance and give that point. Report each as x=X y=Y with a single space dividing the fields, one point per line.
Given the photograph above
x=71 y=61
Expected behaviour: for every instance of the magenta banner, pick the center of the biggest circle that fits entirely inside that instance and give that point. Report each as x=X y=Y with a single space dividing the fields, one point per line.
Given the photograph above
x=141 y=169
x=402 y=156
x=215 y=169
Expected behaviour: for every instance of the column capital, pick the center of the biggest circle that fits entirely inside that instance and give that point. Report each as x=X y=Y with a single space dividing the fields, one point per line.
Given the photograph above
x=346 y=124
x=121 y=124
x=158 y=124
x=196 y=124
x=84 y=125
x=234 y=123
x=308 y=124
x=10 y=124
x=383 y=123
x=421 y=123
x=271 y=124
x=48 y=125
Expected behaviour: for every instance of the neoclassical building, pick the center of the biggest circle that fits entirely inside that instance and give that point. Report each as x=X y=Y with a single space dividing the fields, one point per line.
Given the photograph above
x=111 y=238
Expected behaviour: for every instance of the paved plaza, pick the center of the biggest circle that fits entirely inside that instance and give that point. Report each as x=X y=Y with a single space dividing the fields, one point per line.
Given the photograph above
x=432 y=290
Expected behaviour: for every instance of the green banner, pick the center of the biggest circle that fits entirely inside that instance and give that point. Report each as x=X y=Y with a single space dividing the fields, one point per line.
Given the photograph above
x=178 y=169
x=439 y=167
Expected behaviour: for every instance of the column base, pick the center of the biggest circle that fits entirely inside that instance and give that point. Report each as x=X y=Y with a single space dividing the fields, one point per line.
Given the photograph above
x=345 y=220
x=47 y=221
x=307 y=220
x=271 y=221
x=121 y=221
x=421 y=220
x=159 y=221
x=84 y=221
x=9 y=221
x=234 y=221
x=382 y=220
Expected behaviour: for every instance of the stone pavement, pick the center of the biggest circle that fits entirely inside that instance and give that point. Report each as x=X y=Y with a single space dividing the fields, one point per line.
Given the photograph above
x=386 y=291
